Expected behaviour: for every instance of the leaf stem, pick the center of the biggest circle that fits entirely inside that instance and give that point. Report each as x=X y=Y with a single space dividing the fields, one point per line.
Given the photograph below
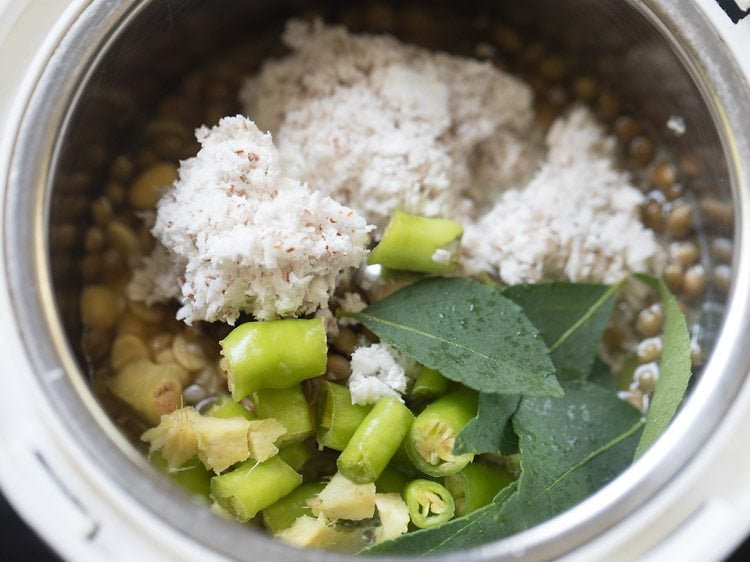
x=603 y=449
x=586 y=316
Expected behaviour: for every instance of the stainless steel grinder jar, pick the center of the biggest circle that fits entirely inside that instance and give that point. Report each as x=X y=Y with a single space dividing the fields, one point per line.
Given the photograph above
x=82 y=75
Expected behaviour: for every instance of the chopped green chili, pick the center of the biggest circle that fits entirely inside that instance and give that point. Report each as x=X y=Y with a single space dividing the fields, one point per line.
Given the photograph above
x=338 y=418
x=282 y=514
x=430 y=504
x=430 y=440
x=273 y=354
x=254 y=486
x=225 y=407
x=422 y=244
x=289 y=407
x=475 y=485
x=429 y=385
x=296 y=454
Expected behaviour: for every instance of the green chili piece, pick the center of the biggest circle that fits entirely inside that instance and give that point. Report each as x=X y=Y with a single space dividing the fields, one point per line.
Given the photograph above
x=296 y=454
x=414 y=243
x=475 y=486
x=254 y=486
x=273 y=354
x=338 y=418
x=391 y=481
x=375 y=441
x=429 y=443
x=430 y=504
x=429 y=385
x=402 y=463
x=282 y=514
x=289 y=407
x=192 y=476
x=225 y=407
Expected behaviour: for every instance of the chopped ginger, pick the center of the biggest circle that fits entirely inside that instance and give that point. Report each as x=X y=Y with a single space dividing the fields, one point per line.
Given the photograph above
x=394 y=516
x=262 y=436
x=174 y=437
x=343 y=499
x=217 y=442
x=311 y=532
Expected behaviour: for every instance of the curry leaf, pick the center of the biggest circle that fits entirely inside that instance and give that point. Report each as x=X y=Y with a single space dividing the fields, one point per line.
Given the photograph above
x=491 y=430
x=468 y=332
x=674 y=367
x=570 y=448
x=571 y=318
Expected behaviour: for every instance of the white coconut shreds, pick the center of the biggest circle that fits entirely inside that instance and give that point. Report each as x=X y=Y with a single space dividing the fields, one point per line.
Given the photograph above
x=238 y=235
x=381 y=125
x=379 y=370
x=578 y=218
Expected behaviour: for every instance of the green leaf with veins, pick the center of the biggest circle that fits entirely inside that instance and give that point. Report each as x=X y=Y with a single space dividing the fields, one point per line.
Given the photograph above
x=570 y=448
x=490 y=431
x=674 y=367
x=571 y=318
x=470 y=333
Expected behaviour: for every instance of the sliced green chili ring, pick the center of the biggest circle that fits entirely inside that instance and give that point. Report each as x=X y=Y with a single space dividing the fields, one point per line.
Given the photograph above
x=430 y=504
x=429 y=443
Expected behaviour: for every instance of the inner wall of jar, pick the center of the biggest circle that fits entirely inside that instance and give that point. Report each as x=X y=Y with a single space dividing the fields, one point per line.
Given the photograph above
x=605 y=55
